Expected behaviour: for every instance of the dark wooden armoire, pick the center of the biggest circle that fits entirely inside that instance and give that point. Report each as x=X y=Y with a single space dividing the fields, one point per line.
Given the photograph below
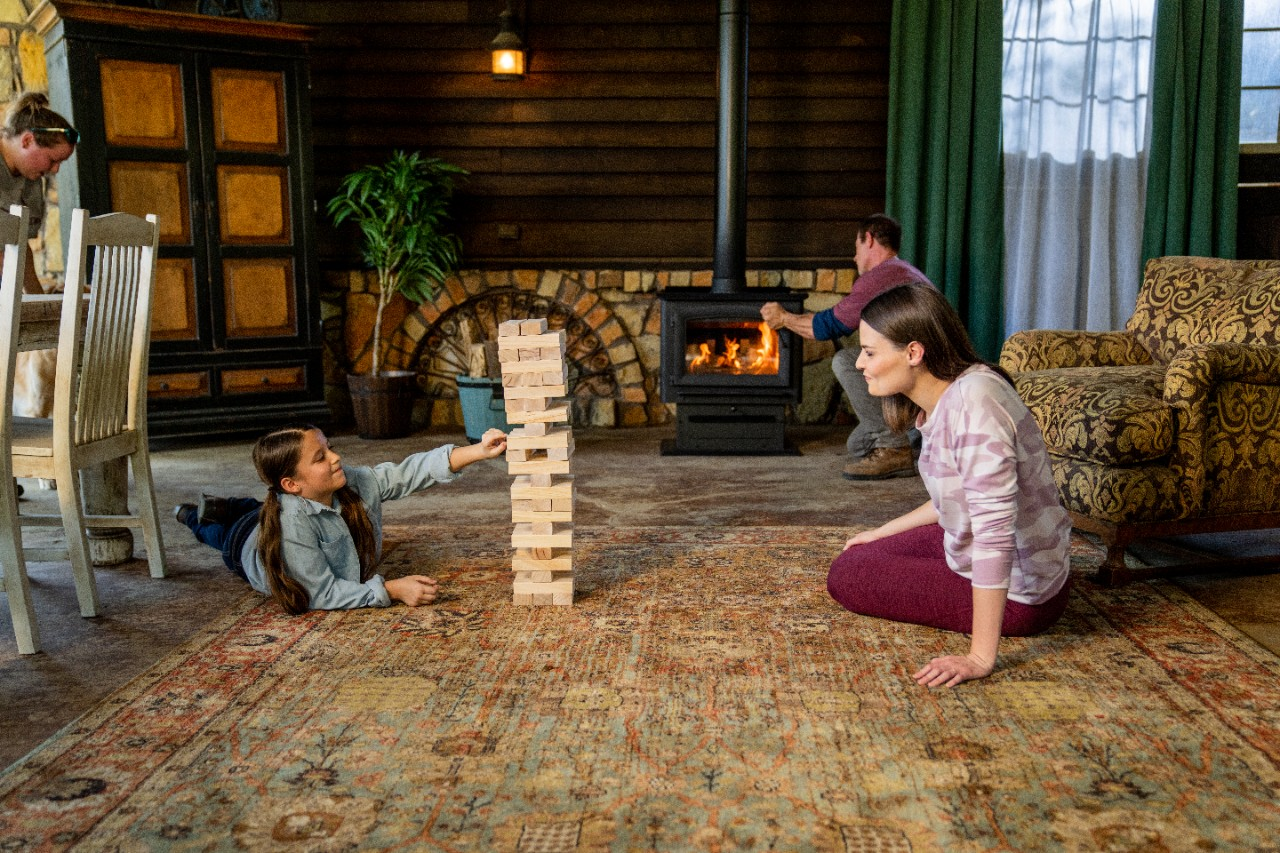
x=204 y=121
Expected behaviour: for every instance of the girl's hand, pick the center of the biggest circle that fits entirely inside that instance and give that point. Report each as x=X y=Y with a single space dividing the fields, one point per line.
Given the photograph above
x=951 y=670
x=493 y=443
x=413 y=590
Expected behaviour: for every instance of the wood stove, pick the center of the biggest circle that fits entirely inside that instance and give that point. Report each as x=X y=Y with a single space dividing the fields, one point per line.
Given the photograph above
x=730 y=375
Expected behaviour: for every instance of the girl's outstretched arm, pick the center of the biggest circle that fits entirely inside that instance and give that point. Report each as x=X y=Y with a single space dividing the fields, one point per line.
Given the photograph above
x=492 y=444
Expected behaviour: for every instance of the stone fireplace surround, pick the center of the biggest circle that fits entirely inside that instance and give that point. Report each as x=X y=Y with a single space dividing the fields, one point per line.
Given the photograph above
x=611 y=319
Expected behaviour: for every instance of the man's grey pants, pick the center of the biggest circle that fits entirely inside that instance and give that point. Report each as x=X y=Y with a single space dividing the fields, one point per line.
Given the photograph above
x=871 y=431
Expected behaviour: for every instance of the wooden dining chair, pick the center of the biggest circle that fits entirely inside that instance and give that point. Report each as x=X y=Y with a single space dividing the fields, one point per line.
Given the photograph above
x=13 y=235
x=100 y=390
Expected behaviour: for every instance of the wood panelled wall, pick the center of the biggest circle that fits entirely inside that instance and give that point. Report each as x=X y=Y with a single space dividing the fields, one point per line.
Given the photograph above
x=604 y=155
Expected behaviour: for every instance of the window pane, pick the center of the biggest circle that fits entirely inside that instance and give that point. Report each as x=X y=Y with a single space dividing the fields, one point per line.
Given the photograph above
x=1261 y=13
x=1260 y=115
x=1261 y=59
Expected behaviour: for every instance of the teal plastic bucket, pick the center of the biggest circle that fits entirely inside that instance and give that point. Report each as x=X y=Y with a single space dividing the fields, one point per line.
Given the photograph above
x=483 y=407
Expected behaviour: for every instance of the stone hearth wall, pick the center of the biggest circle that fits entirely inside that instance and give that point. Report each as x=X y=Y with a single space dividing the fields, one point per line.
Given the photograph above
x=611 y=321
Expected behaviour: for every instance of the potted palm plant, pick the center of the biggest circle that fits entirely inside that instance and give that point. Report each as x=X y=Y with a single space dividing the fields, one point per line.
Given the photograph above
x=402 y=210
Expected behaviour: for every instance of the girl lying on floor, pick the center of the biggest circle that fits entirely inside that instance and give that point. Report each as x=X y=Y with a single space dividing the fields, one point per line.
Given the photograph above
x=988 y=552
x=315 y=541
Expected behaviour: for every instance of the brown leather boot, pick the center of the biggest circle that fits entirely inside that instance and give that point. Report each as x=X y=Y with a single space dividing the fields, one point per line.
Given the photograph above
x=882 y=463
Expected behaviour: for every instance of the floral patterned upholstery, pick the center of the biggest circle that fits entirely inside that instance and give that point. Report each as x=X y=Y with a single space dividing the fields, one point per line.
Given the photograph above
x=1177 y=416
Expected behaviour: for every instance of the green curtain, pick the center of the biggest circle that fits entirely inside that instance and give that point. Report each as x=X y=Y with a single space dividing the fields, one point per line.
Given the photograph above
x=945 y=180
x=1195 y=129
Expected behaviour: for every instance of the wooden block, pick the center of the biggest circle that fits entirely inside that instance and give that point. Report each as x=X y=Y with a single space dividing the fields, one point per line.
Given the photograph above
x=562 y=585
x=517 y=455
x=533 y=327
x=524 y=537
x=536 y=429
x=551 y=353
x=534 y=391
x=477 y=367
x=539 y=516
x=560 y=453
x=540 y=480
x=540 y=466
x=525 y=407
x=557 y=505
x=542 y=528
x=554 y=365
x=540 y=598
x=557 y=560
x=550 y=340
x=509 y=329
x=541 y=553
x=522 y=598
x=541 y=576
x=507 y=356
x=562 y=599
x=555 y=437
x=557 y=413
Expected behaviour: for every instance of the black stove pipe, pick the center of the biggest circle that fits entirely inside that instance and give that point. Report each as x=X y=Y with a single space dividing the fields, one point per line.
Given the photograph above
x=729 y=269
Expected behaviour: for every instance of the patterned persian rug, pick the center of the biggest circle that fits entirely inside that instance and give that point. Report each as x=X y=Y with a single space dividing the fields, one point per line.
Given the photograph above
x=703 y=693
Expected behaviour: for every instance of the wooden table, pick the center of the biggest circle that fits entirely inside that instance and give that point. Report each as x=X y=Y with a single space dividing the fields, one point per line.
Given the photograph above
x=41 y=314
x=106 y=489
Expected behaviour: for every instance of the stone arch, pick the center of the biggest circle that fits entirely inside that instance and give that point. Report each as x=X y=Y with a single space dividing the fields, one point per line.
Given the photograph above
x=603 y=365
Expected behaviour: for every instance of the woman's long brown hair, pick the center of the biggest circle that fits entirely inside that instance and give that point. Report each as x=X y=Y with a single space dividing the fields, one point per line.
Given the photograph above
x=276 y=456
x=919 y=312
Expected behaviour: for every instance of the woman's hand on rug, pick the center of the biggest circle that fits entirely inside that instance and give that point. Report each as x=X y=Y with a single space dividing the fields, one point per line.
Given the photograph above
x=951 y=670
x=413 y=590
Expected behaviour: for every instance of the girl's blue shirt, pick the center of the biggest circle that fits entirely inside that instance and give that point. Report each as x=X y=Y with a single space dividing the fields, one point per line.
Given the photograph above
x=318 y=548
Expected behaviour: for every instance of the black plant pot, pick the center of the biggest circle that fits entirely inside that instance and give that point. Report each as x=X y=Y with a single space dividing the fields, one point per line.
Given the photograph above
x=383 y=404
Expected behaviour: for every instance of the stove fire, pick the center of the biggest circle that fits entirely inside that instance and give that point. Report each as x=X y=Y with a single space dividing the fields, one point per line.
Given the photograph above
x=732 y=347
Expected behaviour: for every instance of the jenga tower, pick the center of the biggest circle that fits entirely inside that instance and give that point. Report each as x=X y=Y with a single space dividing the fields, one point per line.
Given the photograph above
x=538 y=453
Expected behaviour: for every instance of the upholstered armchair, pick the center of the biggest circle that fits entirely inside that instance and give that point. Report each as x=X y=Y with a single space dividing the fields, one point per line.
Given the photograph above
x=1172 y=425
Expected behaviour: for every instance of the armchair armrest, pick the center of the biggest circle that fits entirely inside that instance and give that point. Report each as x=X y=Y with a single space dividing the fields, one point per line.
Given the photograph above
x=1190 y=383
x=1048 y=349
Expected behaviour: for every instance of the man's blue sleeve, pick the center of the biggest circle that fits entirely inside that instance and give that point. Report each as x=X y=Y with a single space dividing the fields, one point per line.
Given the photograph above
x=826 y=327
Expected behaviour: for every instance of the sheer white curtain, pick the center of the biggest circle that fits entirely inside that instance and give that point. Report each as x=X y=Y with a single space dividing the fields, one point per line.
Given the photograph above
x=1075 y=118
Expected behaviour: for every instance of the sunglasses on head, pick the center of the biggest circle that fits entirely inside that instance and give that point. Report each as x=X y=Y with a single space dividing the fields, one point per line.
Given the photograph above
x=72 y=135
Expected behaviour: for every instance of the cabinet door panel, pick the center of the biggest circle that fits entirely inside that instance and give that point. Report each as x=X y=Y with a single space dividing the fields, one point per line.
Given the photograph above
x=160 y=188
x=260 y=297
x=253 y=202
x=248 y=110
x=142 y=103
x=173 y=307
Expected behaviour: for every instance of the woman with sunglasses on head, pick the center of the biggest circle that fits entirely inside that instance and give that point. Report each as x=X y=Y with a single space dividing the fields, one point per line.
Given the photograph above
x=34 y=142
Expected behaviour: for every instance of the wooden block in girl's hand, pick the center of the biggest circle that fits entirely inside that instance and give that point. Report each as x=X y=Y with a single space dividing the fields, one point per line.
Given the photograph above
x=555 y=437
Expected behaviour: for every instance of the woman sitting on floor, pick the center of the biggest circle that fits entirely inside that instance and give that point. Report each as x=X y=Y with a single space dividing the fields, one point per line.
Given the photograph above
x=988 y=552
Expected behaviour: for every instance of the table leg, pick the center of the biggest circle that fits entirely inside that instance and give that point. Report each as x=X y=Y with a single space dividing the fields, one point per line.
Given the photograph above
x=106 y=492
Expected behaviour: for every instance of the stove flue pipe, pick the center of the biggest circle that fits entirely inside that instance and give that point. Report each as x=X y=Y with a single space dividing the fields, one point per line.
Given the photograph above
x=729 y=270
